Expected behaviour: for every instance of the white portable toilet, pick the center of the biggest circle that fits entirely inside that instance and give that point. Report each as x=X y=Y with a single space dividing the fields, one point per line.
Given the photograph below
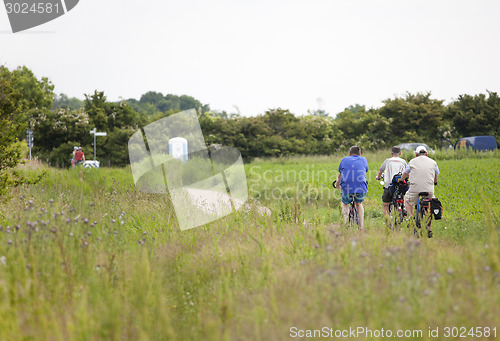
x=178 y=148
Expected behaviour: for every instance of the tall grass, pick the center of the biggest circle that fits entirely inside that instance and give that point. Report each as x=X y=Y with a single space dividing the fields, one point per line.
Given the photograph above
x=102 y=261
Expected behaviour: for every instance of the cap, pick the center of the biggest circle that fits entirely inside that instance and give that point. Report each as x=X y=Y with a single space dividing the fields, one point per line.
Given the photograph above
x=420 y=150
x=75 y=147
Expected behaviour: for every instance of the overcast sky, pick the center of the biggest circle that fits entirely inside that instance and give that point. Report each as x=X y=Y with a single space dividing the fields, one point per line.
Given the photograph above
x=256 y=54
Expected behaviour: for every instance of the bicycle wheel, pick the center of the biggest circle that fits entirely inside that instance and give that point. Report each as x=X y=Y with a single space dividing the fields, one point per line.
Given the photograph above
x=398 y=218
x=351 y=218
x=356 y=216
x=418 y=219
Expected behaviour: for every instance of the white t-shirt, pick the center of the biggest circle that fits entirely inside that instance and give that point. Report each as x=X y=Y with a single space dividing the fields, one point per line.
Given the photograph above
x=391 y=167
x=422 y=171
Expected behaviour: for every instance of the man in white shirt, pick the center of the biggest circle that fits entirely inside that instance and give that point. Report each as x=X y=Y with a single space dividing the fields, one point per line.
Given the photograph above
x=423 y=173
x=389 y=168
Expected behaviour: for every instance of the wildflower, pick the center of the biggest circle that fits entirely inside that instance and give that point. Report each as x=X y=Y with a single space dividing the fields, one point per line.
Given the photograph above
x=67 y=220
x=398 y=269
x=450 y=271
x=10 y=242
x=92 y=204
x=3 y=260
x=91 y=224
x=486 y=268
x=113 y=221
x=95 y=222
x=71 y=234
x=86 y=221
x=88 y=233
x=426 y=292
x=18 y=227
x=401 y=299
x=116 y=232
x=51 y=201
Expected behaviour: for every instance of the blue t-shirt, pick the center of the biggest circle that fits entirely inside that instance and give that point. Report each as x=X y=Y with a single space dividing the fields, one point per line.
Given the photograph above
x=353 y=171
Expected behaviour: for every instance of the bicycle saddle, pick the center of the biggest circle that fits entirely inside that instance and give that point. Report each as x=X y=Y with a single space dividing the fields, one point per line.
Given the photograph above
x=423 y=194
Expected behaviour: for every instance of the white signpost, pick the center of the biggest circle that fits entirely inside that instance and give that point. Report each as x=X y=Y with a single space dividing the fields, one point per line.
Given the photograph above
x=29 y=139
x=95 y=133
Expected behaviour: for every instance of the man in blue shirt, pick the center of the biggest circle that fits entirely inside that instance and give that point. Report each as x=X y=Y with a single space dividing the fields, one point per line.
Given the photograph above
x=352 y=182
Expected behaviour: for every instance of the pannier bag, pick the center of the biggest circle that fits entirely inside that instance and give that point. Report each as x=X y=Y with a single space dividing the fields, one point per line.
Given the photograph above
x=395 y=184
x=436 y=208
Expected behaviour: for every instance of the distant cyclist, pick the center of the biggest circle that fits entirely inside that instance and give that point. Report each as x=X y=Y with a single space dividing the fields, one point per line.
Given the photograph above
x=352 y=183
x=79 y=157
x=423 y=174
x=389 y=168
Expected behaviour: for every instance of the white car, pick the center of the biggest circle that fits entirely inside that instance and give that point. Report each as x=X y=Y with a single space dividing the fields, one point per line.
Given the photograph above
x=411 y=146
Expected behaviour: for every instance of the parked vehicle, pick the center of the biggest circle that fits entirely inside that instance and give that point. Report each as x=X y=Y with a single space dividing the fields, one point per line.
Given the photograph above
x=477 y=143
x=411 y=146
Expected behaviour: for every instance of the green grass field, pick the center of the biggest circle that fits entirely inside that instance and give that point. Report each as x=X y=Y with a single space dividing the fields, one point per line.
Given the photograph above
x=85 y=256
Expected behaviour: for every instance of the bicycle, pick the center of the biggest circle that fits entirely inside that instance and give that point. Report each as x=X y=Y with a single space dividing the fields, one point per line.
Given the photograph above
x=353 y=211
x=422 y=215
x=397 y=211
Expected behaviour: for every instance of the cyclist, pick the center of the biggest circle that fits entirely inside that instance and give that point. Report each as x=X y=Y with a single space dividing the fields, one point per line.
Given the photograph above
x=423 y=173
x=389 y=168
x=79 y=157
x=352 y=182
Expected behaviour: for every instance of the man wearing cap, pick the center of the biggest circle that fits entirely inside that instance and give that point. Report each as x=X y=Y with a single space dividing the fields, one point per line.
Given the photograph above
x=423 y=173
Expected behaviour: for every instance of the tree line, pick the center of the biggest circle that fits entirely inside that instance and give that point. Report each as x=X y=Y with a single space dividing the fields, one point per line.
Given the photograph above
x=60 y=122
